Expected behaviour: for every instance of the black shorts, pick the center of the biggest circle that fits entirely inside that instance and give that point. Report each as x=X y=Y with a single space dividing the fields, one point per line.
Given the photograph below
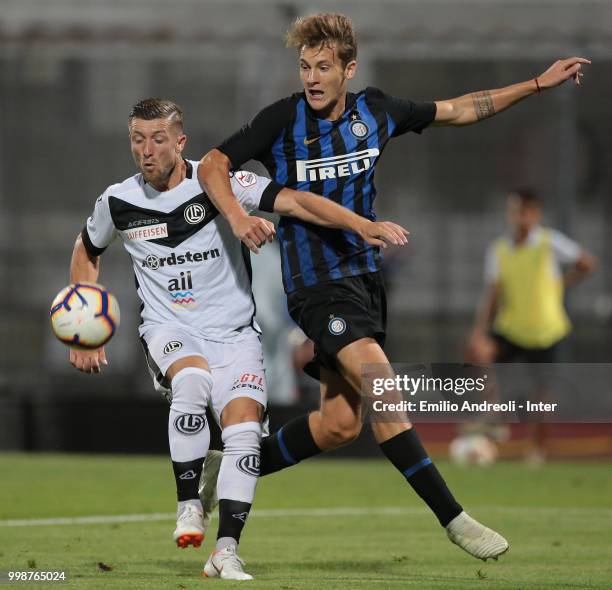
x=513 y=353
x=336 y=313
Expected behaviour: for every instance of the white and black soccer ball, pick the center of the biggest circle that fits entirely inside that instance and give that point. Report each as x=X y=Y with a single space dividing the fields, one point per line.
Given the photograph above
x=84 y=316
x=473 y=449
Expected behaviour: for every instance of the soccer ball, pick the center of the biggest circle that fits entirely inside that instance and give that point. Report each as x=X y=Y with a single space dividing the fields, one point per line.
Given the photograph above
x=473 y=449
x=84 y=316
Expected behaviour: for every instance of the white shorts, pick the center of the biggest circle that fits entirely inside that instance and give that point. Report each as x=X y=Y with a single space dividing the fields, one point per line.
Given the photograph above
x=236 y=368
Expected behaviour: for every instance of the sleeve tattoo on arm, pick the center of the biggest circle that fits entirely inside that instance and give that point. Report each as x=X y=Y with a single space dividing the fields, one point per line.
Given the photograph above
x=483 y=104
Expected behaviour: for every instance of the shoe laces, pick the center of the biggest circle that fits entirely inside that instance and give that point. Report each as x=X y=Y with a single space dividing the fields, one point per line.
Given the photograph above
x=229 y=556
x=189 y=512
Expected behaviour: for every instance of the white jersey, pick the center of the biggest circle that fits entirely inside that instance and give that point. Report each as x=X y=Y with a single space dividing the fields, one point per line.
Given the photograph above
x=190 y=269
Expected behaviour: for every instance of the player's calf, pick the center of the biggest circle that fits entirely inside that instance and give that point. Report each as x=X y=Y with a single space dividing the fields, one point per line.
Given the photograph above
x=236 y=489
x=189 y=439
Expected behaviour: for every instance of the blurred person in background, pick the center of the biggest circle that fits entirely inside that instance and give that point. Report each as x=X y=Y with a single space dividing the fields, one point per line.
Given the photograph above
x=276 y=326
x=522 y=315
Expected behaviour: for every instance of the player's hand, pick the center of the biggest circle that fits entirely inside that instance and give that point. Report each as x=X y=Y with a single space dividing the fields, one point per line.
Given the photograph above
x=563 y=70
x=253 y=231
x=88 y=361
x=383 y=233
x=480 y=348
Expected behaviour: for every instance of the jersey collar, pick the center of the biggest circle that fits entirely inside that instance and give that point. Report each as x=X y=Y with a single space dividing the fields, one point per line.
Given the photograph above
x=351 y=99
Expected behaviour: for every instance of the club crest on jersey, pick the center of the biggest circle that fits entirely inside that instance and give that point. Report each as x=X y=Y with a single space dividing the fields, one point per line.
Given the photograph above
x=194 y=213
x=245 y=178
x=148 y=232
x=336 y=166
x=181 y=294
x=336 y=326
x=359 y=129
x=172 y=346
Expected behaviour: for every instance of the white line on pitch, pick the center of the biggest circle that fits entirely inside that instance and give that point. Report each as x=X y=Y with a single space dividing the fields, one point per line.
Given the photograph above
x=292 y=512
x=265 y=513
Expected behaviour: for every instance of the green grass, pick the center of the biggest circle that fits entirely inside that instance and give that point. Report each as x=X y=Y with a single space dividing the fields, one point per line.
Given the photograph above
x=557 y=519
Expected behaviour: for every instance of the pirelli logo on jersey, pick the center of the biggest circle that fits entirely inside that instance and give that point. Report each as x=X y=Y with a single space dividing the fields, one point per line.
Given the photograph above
x=149 y=232
x=336 y=166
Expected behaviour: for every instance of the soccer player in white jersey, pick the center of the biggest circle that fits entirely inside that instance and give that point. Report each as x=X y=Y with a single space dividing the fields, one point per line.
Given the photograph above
x=200 y=339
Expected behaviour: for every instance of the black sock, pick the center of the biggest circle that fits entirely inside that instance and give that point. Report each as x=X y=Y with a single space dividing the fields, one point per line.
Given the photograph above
x=287 y=446
x=232 y=518
x=406 y=452
x=187 y=476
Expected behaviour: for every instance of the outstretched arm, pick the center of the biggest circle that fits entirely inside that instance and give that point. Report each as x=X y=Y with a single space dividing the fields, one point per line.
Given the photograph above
x=84 y=267
x=476 y=106
x=321 y=211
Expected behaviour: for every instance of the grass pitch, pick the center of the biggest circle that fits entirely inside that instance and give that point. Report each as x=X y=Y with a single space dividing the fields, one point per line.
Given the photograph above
x=323 y=524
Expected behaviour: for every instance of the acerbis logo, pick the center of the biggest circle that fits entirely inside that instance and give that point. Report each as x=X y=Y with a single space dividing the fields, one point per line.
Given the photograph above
x=141 y=222
x=337 y=326
x=172 y=346
x=194 y=213
x=249 y=464
x=191 y=474
x=154 y=262
x=190 y=423
x=249 y=381
x=336 y=166
x=359 y=129
x=241 y=516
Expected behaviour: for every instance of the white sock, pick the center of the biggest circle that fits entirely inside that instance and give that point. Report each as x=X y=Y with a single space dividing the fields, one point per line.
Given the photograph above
x=188 y=433
x=240 y=464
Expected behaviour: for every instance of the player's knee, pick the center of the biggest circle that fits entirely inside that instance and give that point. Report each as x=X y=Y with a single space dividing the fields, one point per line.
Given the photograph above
x=241 y=409
x=341 y=432
x=191 y=389
x=195 y=360
x=243 y=439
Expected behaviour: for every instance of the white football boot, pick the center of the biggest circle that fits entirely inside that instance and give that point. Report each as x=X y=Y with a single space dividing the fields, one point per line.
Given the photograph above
x=475 y=538
x=226 y=565
x=189 y=528
x=207 y=489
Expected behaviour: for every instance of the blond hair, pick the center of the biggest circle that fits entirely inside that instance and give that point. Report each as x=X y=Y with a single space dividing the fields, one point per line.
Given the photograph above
x=325 y=29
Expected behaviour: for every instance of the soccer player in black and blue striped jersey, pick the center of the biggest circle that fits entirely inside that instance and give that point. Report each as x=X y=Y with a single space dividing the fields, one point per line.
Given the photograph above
x=328 y=140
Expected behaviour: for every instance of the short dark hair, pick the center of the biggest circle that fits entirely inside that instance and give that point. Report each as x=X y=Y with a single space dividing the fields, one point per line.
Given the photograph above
x=157 y=108
x=325 y=29
x=527 y=196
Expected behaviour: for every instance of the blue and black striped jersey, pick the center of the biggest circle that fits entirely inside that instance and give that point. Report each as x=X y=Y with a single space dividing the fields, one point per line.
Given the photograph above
x=335 y=159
